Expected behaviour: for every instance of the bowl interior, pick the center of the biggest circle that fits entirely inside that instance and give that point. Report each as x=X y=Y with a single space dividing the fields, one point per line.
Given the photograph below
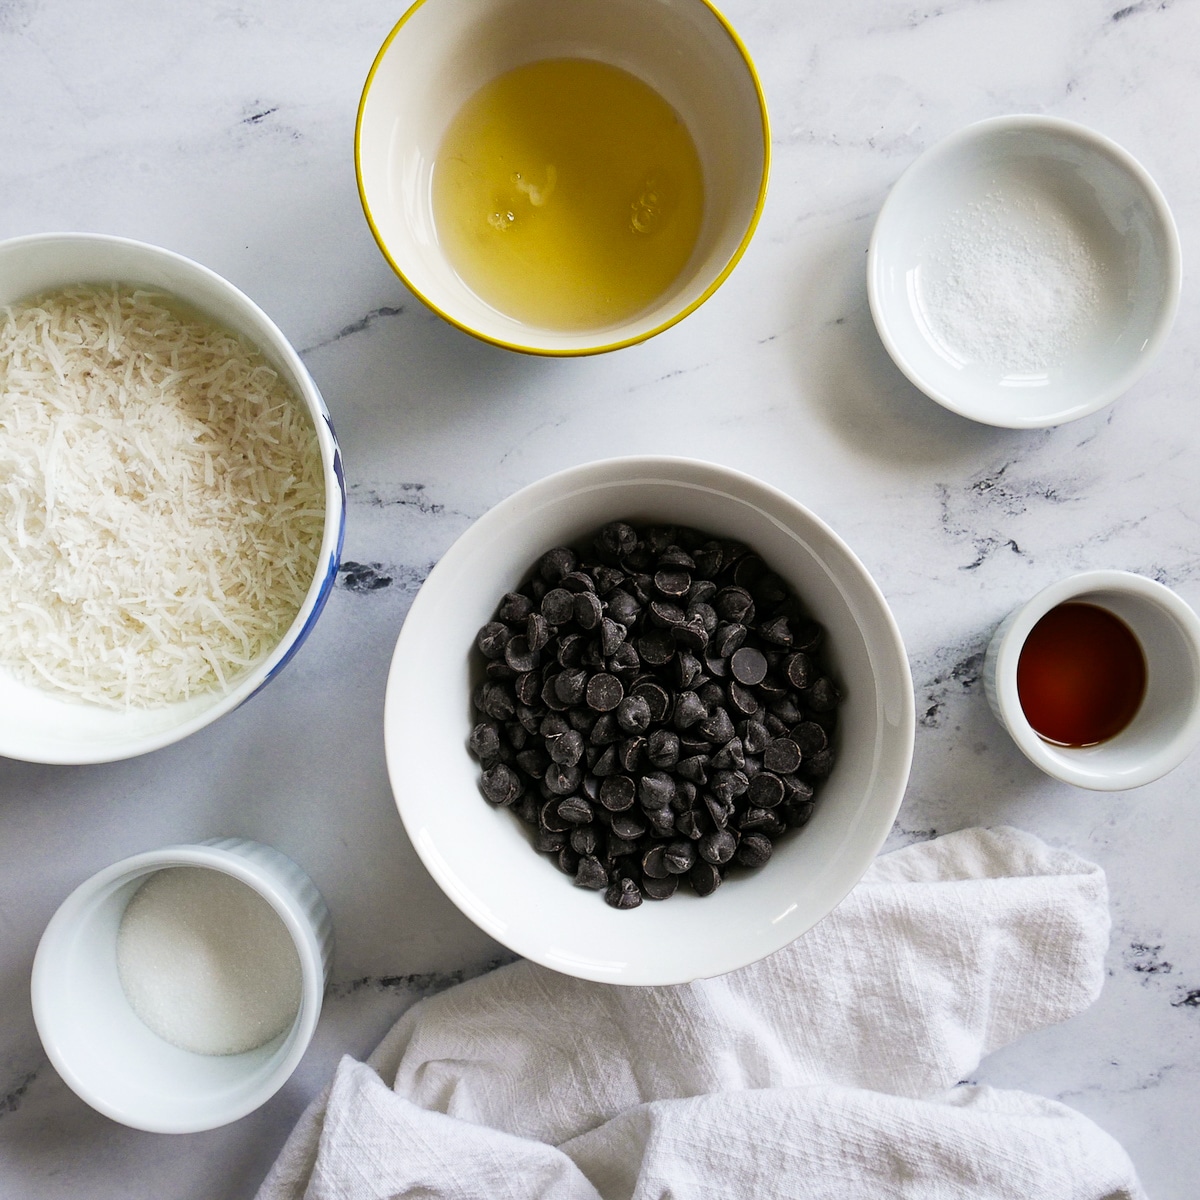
x=114 y=1061
x=482 y=856
x=445 y=50
x=37 y=725
x=946 y=262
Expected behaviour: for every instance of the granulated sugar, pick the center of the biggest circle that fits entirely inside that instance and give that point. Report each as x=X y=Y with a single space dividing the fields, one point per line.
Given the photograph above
x=1013 y=284
x=207 y=963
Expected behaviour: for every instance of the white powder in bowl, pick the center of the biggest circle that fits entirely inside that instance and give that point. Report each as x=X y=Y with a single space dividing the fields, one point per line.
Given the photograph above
x=1013 y=284
x=207 y=963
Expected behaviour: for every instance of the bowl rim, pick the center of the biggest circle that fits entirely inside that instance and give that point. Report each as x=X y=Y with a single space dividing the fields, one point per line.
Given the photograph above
x=332 y=535
x=633 y=467
x=529 y=346
x=211 y=856
x=896 y=200
x=1005 y=652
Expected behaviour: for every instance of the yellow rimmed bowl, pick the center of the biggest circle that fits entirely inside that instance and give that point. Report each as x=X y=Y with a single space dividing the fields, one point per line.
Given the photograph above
x=443 y=51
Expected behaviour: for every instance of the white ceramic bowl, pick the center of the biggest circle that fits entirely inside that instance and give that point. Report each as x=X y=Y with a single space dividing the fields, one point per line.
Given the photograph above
x=482 y=857
x=1166 y=727
x=1024 y=272
x=443 y=51
x=35 y=724
x=100 y=1047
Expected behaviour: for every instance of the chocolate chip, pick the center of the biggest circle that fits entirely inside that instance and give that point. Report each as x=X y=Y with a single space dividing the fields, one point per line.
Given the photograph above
x=717 y=847
x=704 y=878
x=656 y=647
x=654 y=863
x=612 y=634
x=689 y=709
x=562 y=780
x=665 y=614
x=590 y=873
x=820 y=764
x=618 y=793
x=656 y=697
x=782 y=756
x=537 y=631
x=748 y=665
x=485 y=740
x=623 y=893
x=673 y=583
x=776 y=632
x=588 y=610
x=680 y=857
x=659 y=889
x=810 y=737
x=556 y=563
x=569 y=685
x=754 y=850
x=766 y=790
x=656 y=790
x=583 y=840
x=575 y=810
x=628 y=828
x=501 y=784
x=662 y=749
x=633 y=714
x=604 y=692
x=492 y=639
x=822 y=696
x=514 y=608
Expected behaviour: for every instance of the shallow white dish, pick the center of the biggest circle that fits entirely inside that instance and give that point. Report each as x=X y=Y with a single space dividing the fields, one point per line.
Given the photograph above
x=1024 y=271
x=1165 y=729
x=35 y=724
x=481 y=856
x=443 y=51
x=100 y=1047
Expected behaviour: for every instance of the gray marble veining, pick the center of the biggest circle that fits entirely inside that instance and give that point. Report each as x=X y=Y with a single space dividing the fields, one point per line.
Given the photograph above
x=224 y=130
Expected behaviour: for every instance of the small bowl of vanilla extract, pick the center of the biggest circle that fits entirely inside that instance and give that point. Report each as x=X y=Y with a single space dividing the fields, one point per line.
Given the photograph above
x=1097 y=679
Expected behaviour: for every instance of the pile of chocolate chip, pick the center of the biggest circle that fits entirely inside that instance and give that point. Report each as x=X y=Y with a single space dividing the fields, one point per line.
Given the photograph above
x=656 y=708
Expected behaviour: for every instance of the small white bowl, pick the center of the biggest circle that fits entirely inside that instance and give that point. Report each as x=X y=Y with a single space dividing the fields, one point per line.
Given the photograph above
x=443 y=51
x=1166 y=727
x=1024 y=271
x=481 y=856
x=100 y=1047
x=36 y=725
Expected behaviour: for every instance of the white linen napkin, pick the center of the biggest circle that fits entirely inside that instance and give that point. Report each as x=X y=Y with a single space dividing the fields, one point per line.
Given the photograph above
x=831 y=1069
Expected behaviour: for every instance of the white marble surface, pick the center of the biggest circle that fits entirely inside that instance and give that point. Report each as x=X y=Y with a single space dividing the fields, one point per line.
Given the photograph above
x=223 y=130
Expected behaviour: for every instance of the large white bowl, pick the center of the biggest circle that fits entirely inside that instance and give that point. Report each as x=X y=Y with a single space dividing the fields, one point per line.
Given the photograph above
x=482 y=857
x=951 y=228
x=443 y=51
x=35 y=724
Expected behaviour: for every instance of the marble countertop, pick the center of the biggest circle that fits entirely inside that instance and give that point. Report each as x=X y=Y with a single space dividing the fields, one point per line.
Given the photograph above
x=223 y=130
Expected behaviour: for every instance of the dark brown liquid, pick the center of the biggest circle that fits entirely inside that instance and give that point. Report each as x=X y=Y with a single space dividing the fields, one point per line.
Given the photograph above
x=1081 y=676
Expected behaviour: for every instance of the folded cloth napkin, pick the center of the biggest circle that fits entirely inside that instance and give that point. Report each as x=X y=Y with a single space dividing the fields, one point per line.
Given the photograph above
x=832 y=1069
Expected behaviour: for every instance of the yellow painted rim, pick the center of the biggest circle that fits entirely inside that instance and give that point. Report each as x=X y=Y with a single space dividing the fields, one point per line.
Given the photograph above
x=579 y=352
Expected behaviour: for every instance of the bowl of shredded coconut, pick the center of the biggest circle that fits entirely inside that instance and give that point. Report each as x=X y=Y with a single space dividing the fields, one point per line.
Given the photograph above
x=171 y=498
x=1024 y=272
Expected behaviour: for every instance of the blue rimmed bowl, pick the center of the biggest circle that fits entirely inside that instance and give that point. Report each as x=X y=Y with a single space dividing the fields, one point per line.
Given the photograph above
x=37 y=725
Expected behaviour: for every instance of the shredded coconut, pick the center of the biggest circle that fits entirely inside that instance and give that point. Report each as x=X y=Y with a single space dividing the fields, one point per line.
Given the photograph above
x=161 y=499
x=1013 y=284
